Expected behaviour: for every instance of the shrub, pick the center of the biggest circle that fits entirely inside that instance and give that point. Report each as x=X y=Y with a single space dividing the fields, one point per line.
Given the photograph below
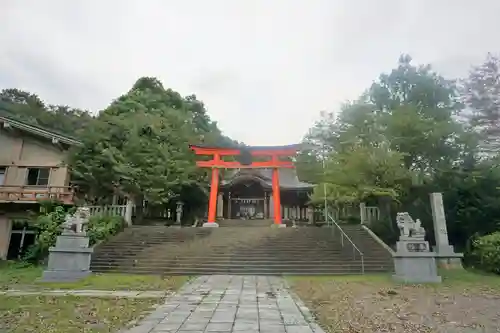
x=101 y=228
x=383 y=229
x=351 y=219
x=486 y=252
x=49 y=226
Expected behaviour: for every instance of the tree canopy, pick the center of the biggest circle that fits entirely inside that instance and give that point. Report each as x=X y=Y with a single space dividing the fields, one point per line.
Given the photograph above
x=410 y=133
x=137 y=146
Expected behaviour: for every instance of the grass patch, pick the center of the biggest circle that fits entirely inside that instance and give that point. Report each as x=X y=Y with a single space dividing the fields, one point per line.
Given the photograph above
x=459 y=277
x=466 y=301
x=22 y=276
x=112 y=281
x=68 y=314
x=18 y=274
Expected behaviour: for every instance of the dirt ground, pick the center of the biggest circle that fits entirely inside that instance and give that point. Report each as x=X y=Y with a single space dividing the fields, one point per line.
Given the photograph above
x=463 y=303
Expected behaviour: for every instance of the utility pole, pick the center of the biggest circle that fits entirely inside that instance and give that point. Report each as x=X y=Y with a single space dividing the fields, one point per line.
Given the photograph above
x=324 y=184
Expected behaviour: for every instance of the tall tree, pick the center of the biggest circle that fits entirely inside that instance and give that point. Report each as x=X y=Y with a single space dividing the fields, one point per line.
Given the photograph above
x=481 y=95
x=139 y=146
x=30 y=108
x=417 y=108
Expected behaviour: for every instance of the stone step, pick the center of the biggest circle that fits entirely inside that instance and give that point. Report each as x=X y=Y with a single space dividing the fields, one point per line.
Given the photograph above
x=238 y=265
x=233 y=250
x=245 y=253
x=293 y=271
x=210 y=261
x=256 y=270
x=222 y=256
x=247 y=250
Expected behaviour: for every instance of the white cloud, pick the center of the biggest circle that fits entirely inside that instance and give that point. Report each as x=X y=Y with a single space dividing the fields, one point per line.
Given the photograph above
x=264 y=68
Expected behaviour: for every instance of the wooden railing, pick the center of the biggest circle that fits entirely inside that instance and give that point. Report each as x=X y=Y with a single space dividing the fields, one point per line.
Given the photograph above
x=28 y=194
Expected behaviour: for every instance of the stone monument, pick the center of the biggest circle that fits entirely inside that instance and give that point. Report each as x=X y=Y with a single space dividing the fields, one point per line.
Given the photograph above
x=69 y=259
x=413 y=262
x=445 y=254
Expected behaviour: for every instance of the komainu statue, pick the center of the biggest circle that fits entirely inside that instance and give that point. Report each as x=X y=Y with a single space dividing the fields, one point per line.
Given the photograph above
x=408 y=227
x=74 y=223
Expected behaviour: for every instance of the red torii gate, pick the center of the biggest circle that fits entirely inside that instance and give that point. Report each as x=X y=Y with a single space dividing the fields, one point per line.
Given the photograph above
x=272 y=153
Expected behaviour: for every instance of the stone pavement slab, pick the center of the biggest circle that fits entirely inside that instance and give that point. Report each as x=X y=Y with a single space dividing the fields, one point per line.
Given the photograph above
x=230 y=304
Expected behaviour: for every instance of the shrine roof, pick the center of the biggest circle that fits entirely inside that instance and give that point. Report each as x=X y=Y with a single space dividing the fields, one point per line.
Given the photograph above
x=288 y=178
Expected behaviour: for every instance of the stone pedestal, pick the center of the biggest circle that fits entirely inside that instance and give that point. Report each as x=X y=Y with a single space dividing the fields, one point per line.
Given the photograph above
x=416 y=268
x=413 y=262
x=210 y=225
x=69 y=260
x=446 y=257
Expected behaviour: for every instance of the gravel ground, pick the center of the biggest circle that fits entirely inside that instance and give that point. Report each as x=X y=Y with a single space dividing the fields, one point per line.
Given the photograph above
x=464 y=303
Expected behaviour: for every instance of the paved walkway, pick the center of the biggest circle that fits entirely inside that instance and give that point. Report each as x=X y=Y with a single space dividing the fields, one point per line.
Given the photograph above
x=236 y=304
x=88 y=293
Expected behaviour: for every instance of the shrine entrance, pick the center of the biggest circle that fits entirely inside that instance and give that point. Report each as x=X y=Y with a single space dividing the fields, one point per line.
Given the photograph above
x=248 y=200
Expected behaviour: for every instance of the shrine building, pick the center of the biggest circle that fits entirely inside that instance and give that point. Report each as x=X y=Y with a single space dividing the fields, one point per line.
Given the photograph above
x=260 y=184
x=248 y=194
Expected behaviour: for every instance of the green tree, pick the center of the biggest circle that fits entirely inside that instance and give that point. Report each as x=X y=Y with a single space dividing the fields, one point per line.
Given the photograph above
x=481 y=95
x=29 y=108
x=417 y=108
x=139 y=146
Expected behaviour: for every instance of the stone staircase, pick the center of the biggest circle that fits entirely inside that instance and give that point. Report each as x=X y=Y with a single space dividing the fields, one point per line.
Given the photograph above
x=238 y=247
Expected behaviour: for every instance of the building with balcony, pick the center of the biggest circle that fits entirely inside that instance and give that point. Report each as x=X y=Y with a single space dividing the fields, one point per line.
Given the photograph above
x=32 y=168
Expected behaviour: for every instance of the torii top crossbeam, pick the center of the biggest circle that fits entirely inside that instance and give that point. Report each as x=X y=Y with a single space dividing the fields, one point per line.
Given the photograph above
x=272 y=153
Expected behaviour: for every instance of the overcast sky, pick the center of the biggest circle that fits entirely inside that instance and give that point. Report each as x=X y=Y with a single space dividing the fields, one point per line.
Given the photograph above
x=264 y=68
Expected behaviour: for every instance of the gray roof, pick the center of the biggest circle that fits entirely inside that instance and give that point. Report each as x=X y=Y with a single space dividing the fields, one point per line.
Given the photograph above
x=38 y=131
x=288 y=178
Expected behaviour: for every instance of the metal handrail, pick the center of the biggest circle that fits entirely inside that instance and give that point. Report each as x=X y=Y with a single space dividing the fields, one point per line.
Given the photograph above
x=344 y=235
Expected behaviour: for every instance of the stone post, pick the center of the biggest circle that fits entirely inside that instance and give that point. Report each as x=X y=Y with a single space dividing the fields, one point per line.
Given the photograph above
x=266 y=207
x=220 y=205
x=362 y=212
x=271 y=207
x=310 y=214
x=129 y=206
x=445 y=254
x=178 y=212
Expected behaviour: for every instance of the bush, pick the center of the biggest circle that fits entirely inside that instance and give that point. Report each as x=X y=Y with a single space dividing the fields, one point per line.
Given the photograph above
x=101 y=228
x=351 y=219
x=486 y=253
x=383 y=229
x=49 y=226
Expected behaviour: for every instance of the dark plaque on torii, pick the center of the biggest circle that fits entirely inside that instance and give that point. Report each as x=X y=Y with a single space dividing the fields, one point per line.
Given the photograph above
x=245 y=157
